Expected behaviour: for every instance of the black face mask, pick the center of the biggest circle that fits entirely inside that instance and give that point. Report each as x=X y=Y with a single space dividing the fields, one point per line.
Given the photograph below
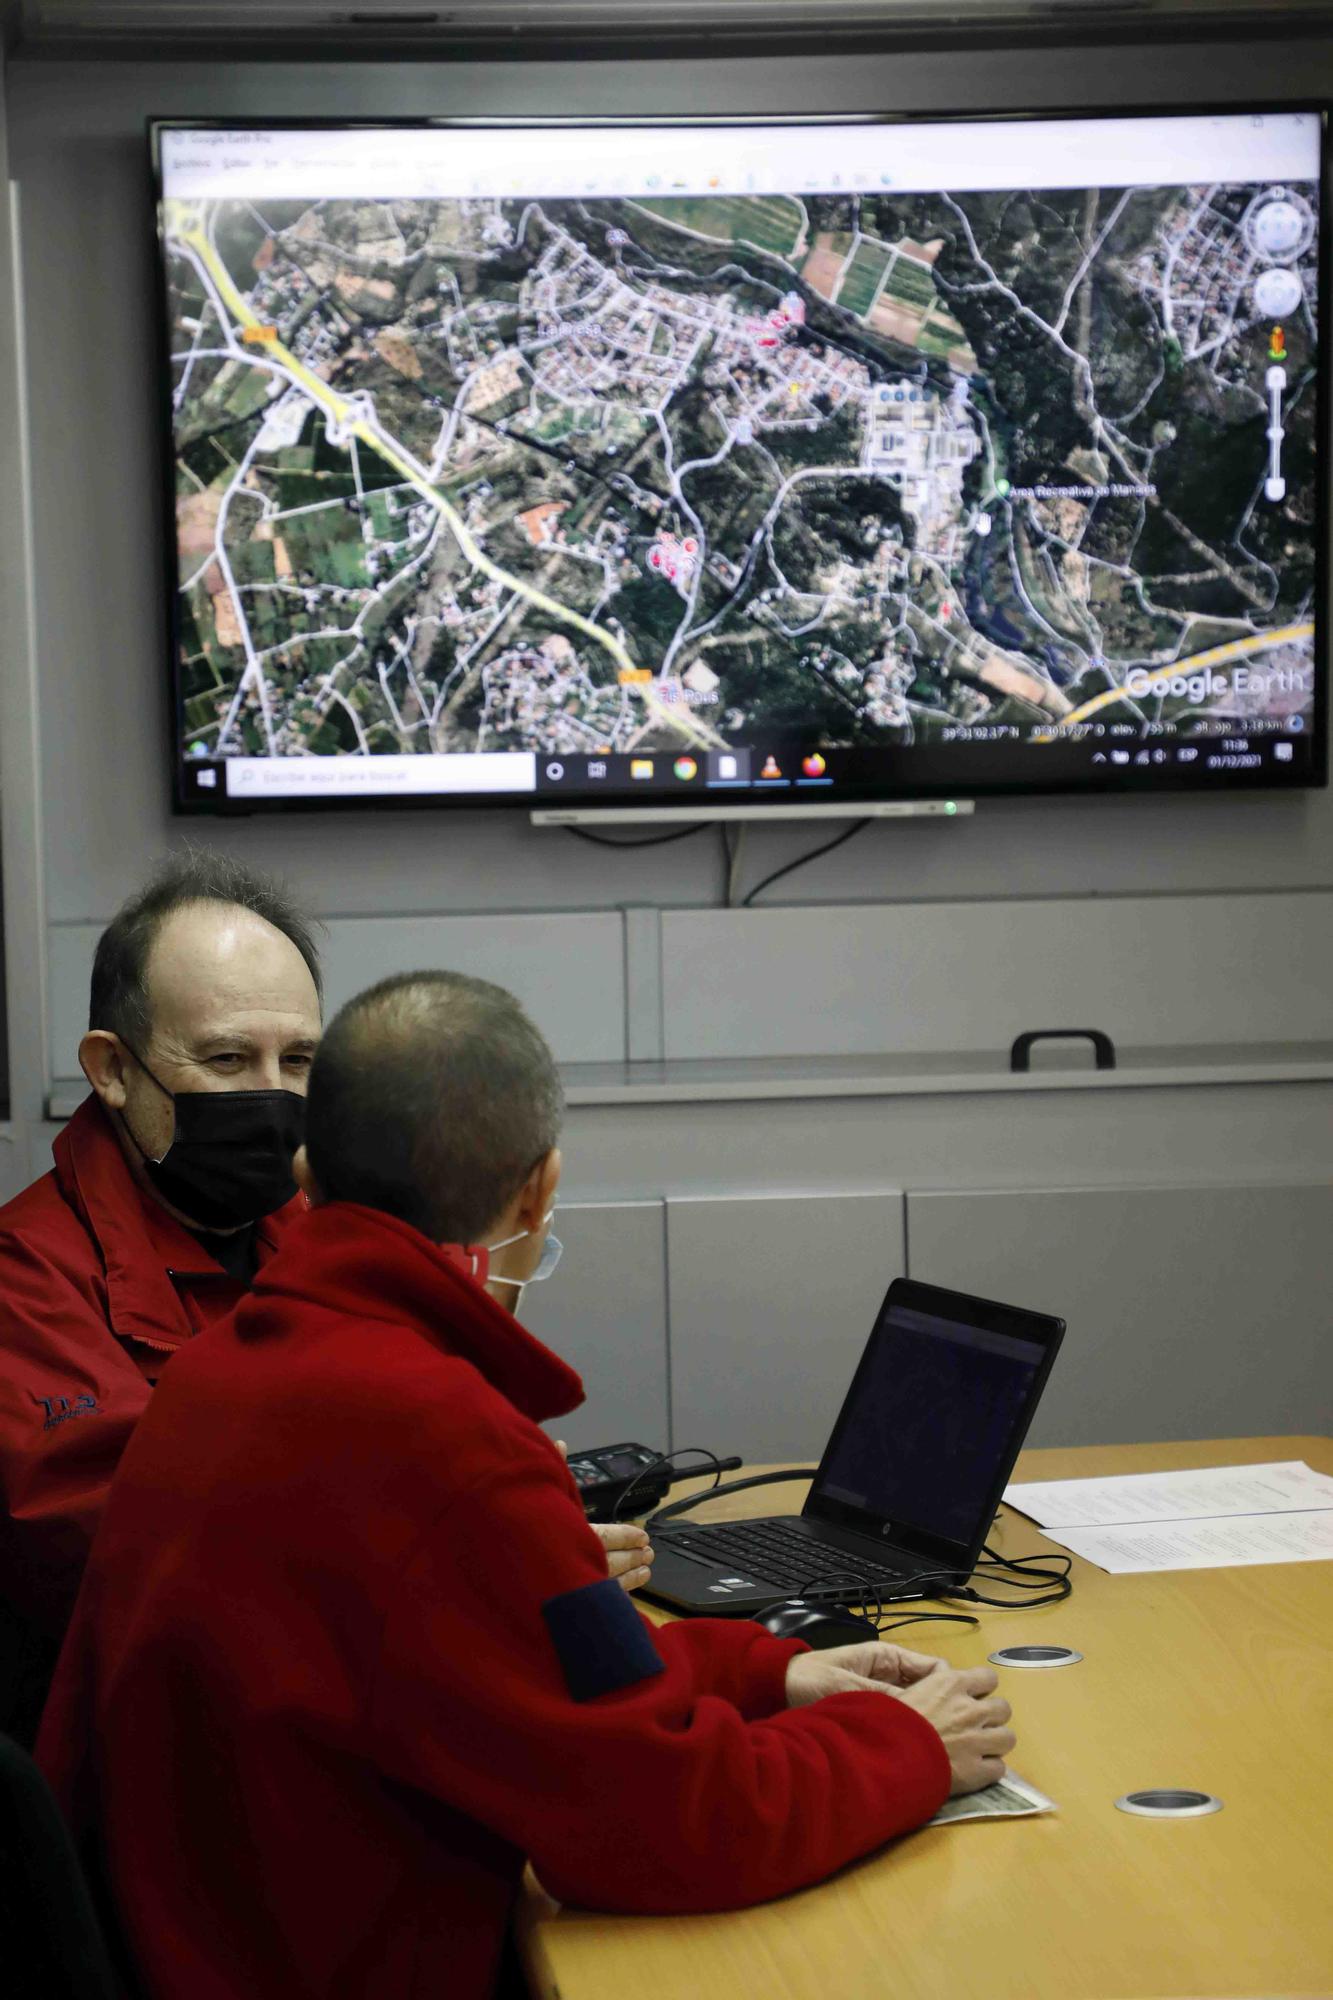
x=230 y=1160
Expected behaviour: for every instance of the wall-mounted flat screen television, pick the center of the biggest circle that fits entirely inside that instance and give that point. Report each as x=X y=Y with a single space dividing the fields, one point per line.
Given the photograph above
x=784 y=463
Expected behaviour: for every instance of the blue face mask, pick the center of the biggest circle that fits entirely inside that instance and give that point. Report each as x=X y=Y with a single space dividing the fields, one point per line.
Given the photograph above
x=552 y=1250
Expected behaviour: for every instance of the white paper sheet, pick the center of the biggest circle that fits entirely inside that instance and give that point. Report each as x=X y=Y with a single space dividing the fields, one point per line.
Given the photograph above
x=1217 y=1544
x=1204 y=1494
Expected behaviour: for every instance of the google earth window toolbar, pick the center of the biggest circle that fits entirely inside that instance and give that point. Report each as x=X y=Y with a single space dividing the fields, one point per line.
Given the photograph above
x=796 y=461
x=432 y=163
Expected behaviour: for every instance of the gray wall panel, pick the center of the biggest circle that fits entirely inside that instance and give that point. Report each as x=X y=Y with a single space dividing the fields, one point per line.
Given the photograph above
x=22 y=890
x=1256 y=1133
x=771 y=1301
x=604 y=1312
x=77 y=154
x=915 y=979
x=14 y=1173
x=567 y=969
x=1193 y=1312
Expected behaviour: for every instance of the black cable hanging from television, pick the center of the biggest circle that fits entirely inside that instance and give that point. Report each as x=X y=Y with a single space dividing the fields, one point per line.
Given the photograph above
x=803 y=861
x=684 y=832
x=647 y=840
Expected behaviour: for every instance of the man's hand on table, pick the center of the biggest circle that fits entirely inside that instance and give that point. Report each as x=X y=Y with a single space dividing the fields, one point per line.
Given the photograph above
x=960 y=1703
x=629 y=1553
x=849 y=1669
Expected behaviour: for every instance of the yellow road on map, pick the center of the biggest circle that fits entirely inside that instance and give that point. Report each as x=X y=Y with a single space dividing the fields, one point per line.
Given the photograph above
x=1234 y=649
x=184 y=224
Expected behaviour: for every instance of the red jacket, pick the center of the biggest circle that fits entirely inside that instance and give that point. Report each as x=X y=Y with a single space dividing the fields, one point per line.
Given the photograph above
x=347 y=1650
x=98 y=1288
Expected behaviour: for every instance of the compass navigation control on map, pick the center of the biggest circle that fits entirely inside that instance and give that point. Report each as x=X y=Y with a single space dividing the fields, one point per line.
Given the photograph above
x=795 y=462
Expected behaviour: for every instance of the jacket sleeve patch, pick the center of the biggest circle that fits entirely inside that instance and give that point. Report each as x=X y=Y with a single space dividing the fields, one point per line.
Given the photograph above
x=601 y=1641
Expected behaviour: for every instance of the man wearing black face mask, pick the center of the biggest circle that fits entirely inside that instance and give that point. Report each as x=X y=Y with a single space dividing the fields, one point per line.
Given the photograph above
x=172 y=1184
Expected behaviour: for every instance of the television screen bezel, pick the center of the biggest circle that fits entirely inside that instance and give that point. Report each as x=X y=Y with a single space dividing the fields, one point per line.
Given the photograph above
x=1111 y=782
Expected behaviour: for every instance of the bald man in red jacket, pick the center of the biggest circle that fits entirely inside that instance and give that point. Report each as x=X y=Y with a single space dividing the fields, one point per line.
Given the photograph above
x=311 y=1721
x=203 y=1018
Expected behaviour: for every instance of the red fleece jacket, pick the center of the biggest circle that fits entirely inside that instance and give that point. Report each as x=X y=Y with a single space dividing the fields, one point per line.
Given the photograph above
x=98 y=1289
x=346 y=1651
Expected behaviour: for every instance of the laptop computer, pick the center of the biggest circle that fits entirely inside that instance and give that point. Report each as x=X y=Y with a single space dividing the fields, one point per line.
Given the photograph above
x=910 y=1478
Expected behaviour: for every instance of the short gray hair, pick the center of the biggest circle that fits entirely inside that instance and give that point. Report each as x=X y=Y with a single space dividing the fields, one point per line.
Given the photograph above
x=432 y=1097
x=119 y=999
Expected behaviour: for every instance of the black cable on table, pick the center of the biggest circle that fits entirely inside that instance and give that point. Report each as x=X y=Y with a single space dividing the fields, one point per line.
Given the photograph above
x=715 y=1491
x=1037 y=1572
x=929 y=1618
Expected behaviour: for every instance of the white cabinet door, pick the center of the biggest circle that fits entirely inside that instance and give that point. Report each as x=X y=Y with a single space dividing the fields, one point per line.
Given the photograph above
x=604 y=1312
x=772 y=1298
x=1193 y=1312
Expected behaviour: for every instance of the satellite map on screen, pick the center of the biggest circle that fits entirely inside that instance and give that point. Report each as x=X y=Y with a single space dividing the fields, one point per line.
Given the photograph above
x=608 y=474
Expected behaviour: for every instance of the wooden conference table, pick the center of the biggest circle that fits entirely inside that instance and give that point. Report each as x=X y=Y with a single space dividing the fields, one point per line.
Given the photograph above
x=1218 y=1680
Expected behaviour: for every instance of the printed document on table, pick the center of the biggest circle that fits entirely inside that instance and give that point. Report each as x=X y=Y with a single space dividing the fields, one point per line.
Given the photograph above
x=1290 y=1486
x=1010 y=1797
x=1217 y=1544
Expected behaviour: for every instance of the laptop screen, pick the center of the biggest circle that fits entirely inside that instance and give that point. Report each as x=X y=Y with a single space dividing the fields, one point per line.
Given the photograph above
x=932 y=1423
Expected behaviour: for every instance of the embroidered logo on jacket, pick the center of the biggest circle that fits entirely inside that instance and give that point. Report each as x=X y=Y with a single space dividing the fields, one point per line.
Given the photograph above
x=59 y=1409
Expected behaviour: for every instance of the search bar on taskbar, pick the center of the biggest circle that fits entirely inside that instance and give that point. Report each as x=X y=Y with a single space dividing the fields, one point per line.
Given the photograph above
x=380 y=777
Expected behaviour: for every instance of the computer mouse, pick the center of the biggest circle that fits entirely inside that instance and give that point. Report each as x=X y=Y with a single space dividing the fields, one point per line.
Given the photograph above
x=820 y=1625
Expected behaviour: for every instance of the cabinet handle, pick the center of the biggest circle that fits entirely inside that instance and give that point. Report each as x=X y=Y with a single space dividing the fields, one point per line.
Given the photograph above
x=1020 y=1055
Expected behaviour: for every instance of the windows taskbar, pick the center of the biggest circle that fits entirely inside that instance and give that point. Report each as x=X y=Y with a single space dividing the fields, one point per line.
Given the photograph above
x=1257 y=755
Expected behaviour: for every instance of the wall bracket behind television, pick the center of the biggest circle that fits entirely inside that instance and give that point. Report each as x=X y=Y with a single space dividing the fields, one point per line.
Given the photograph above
x=692 y=815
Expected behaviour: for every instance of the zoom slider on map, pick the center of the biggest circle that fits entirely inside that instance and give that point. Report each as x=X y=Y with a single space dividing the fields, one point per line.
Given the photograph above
x=1275 y=486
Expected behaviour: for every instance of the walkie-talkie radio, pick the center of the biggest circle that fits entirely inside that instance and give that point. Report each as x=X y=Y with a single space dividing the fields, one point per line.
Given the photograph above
x=605 y=1473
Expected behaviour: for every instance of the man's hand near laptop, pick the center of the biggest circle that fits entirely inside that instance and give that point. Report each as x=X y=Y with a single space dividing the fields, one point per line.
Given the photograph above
x=960 y=1703
x=629 y=1553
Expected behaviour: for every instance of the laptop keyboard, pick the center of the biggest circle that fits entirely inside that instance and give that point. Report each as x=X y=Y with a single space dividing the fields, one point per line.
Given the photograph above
x=774 y=1554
